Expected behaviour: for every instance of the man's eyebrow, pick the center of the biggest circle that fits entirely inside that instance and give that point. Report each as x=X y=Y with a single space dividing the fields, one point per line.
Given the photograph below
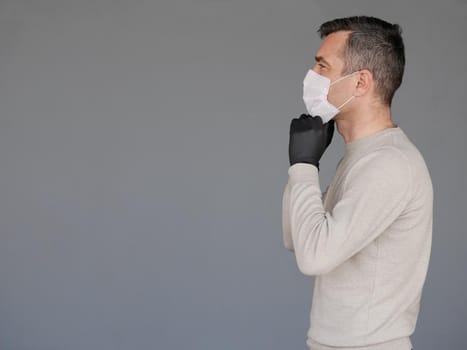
x=321 y=58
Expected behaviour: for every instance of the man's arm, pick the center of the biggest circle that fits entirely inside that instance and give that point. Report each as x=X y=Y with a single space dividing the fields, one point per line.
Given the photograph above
x=286 y=232
x=375 y=193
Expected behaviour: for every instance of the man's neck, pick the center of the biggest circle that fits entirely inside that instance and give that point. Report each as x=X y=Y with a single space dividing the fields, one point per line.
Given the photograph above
x=366 y=124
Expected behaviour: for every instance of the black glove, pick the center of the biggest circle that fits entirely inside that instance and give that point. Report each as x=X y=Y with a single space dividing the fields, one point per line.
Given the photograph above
x=309 y=138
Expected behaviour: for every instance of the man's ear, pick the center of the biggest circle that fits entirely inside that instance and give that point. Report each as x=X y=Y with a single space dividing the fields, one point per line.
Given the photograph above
x=364 y=83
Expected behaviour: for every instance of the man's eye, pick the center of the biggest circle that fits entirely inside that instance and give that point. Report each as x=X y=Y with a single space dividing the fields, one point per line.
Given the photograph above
x=321 y=65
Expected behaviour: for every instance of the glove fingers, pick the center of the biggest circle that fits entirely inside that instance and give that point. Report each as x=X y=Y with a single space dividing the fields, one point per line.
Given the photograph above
x=319 y=120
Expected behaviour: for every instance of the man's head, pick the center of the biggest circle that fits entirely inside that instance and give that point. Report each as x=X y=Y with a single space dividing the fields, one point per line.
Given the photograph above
x=367 y=45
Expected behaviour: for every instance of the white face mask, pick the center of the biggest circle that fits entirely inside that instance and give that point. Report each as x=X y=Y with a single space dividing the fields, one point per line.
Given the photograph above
x=315 y=93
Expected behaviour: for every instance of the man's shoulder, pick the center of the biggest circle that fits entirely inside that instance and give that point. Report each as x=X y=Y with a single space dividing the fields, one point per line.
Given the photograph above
x=388 y=157
x=385 y=164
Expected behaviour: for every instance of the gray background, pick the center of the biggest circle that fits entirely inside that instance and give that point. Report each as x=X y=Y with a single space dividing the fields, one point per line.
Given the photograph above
x=143 y=155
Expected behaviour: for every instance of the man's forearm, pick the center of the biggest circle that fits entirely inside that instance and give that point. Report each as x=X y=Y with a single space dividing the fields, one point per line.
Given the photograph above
x=286 y=232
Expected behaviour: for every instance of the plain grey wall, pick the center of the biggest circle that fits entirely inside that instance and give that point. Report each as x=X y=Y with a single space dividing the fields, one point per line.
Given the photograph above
x=143 y=155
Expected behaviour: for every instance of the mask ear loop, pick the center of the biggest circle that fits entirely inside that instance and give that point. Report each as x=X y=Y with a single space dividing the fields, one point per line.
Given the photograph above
x=351 y=97
x=341 y=78
x=348 y=100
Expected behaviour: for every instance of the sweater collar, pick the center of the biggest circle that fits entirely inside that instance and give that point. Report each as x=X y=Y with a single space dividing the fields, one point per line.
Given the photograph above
x=370 y=139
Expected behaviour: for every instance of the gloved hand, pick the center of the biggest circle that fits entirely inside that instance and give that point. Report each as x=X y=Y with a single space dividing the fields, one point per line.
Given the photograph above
x=309 y=138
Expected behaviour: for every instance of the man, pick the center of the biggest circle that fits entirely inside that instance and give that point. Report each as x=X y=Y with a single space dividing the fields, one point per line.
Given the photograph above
x=367 y=238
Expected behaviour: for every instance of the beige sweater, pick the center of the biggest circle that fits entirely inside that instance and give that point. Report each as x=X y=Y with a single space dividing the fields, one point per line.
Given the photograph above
x=367 y=240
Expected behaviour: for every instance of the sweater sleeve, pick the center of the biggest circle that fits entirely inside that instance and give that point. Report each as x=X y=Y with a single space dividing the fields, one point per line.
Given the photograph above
x=286 y=232
x=375 y=192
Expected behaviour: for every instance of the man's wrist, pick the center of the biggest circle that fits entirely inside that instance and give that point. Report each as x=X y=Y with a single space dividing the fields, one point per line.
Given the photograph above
x=315 y=163
x=303 y=172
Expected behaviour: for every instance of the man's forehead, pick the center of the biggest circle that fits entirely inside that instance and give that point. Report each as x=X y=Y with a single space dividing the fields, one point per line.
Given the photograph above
x=332 y=45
